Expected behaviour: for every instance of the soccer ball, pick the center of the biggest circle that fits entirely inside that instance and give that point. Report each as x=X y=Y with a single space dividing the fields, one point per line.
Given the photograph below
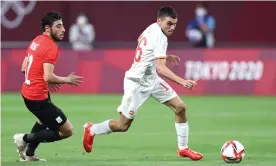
x=232 y=152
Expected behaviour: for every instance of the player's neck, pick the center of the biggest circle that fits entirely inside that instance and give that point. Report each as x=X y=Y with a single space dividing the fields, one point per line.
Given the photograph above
x=48 y=34
x=161 y=29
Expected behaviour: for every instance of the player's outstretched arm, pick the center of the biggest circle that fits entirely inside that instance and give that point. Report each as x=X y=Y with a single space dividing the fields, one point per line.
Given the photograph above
x=50 y=77
x=165 y=71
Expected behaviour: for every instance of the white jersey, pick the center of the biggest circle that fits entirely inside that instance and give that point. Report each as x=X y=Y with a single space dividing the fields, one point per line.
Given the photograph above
x=153 y=44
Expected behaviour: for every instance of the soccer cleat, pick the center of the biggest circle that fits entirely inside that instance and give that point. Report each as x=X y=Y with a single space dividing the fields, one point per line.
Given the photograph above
x=21 y=145
x=190 y=154
x=87 y=141
x=21 y=154
x=32 y=158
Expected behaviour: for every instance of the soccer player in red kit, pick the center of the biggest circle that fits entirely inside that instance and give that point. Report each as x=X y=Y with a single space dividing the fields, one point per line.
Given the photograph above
x=38 y=65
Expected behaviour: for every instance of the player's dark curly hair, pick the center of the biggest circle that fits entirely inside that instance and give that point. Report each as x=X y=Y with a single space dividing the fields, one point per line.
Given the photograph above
x=49 y=18
x=167 y=12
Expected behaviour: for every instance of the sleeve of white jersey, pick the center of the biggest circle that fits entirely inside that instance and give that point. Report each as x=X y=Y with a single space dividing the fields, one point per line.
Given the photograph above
x=159 y=45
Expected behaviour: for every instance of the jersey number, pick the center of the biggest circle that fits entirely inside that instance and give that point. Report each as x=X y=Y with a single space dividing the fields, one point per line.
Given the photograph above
x=139 y=52
x=29 y=63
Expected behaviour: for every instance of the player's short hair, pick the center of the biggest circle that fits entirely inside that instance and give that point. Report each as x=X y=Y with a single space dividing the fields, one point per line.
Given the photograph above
x=167 y=12
x=49 y=18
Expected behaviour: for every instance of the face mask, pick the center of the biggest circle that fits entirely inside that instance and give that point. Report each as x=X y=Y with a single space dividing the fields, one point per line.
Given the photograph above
x=81 y=20
x=200 y=12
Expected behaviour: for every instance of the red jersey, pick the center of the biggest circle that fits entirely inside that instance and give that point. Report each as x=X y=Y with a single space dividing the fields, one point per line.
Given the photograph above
x=41 y=50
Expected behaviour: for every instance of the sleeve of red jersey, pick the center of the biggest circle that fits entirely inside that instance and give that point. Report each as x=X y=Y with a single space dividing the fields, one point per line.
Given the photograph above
x=51 y=56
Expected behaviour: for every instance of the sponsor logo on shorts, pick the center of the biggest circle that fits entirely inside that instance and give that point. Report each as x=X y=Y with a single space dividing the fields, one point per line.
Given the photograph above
x=131 y=112
x=58 y=119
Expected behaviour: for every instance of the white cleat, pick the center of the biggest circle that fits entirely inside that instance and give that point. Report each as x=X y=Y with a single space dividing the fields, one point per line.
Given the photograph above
x=32 y=158
x=21 y=145
x=21 y=154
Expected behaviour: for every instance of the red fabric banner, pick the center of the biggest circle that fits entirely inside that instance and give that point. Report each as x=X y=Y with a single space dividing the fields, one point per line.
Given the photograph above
x=218 y=71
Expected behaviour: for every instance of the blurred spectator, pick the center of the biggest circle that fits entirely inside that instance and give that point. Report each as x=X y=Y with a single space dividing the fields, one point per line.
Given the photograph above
x=200 y=30
x=82 y=34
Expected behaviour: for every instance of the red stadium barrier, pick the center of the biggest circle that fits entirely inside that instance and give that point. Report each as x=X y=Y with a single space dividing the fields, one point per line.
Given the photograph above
x=218 y=71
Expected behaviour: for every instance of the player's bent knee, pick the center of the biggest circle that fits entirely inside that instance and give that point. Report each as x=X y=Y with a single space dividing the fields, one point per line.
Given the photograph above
x=66 y=129
x=67 y=133
x=124 y=128
x=180 y=109
x=124 y=123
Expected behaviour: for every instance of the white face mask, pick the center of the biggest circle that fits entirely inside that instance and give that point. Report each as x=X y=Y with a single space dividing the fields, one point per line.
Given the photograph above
x=81 y=20
x=200 y=12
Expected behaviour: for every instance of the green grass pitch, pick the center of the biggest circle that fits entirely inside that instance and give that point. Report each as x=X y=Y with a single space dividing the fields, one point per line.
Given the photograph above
x=152 y=139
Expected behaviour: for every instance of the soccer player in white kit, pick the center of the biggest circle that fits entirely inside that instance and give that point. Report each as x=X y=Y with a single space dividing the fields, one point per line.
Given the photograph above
x=142 y=81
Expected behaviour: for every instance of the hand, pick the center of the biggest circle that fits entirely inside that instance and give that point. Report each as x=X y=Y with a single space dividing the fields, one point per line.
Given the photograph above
x=173 y=59
x=53 y=87
x=189 y=84
x=73 y=79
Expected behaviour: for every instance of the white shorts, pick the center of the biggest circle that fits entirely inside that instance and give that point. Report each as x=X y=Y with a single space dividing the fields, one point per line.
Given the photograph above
x=135 y=95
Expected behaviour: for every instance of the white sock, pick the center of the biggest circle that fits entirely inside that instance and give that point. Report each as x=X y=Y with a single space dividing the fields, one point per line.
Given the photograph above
x=182 y=131
x=100 y=128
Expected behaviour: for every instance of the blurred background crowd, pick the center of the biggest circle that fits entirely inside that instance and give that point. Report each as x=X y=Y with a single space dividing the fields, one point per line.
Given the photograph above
x=92 y=25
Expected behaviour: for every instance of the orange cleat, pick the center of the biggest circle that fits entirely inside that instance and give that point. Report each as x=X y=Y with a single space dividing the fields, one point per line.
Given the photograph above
x=87 y=141
x=190 y=154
